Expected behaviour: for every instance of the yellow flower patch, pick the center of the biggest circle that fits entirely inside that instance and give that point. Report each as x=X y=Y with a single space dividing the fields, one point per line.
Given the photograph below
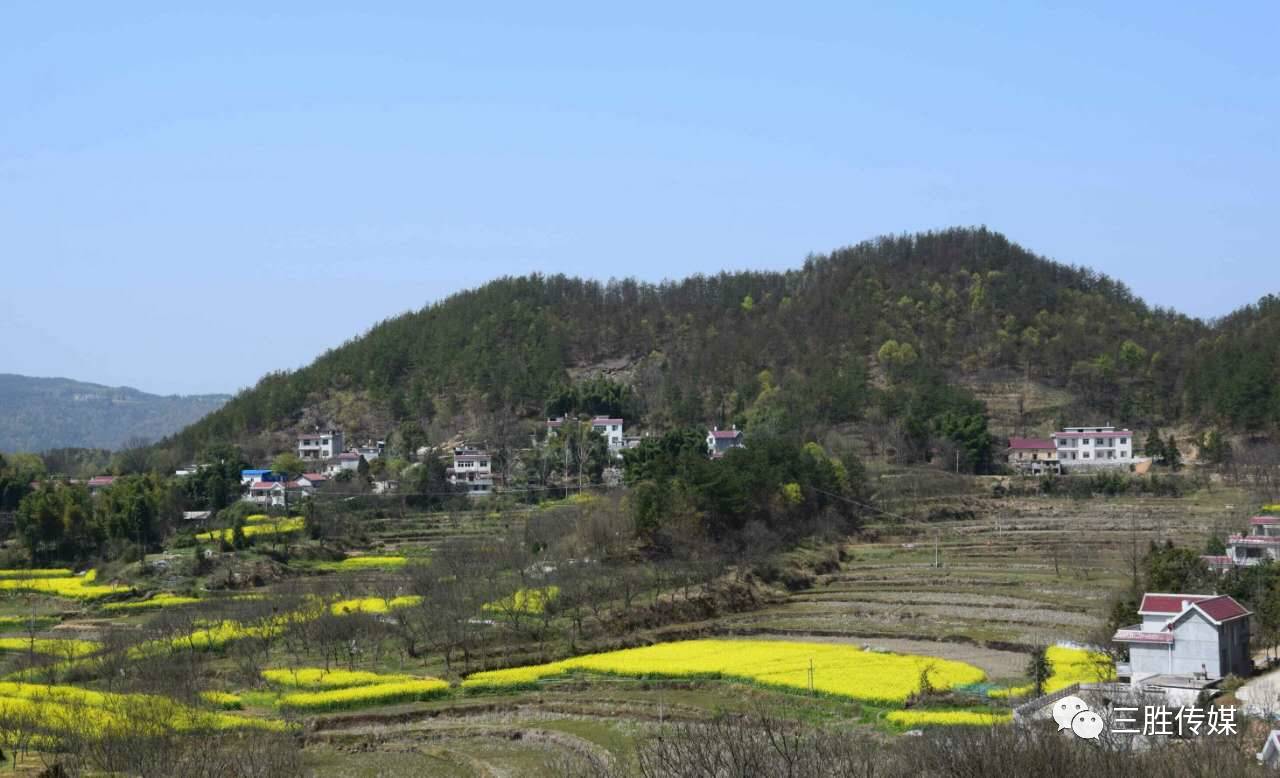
x=72 y=708
x=357 y=563
x=845 y=671
x=224 y=700
x=74 y=588
x=263 y=527
x=949 y=718
x=320 y=678
x=162 y=600
x=64 y=647
x=525 y=601
x=373 y=604
x=362 y=696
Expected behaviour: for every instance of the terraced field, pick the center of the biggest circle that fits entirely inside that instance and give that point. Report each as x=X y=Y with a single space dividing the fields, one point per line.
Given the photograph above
x=1011 y=574
x=1018 y=573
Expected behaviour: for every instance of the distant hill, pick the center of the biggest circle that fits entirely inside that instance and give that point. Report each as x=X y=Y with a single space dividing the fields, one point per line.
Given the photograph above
x=817 y=345
x=38 y=414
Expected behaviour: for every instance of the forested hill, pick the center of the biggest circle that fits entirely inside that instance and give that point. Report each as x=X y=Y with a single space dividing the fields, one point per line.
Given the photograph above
x=38 y=414
x=817 y=344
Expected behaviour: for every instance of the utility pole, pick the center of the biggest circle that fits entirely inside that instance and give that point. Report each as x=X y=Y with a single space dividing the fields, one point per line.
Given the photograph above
x=937 y=559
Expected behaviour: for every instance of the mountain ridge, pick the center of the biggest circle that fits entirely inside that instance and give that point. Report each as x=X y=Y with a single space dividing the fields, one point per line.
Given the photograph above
x=814 y=341
x=39 y=413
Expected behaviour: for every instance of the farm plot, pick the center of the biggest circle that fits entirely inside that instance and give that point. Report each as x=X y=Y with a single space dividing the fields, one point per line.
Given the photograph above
x=1025 y=573
x=840 y=670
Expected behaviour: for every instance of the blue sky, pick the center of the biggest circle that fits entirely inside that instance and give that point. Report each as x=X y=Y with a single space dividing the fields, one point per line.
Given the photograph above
x=191 y=198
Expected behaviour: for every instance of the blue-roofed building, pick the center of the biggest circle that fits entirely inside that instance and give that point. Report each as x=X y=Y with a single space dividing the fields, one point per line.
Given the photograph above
x=254 y=476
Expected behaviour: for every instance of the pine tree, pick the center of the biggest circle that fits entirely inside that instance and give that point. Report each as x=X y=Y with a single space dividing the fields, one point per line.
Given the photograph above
x=1038 y=668
x=1154 y=447
x=1172 y=456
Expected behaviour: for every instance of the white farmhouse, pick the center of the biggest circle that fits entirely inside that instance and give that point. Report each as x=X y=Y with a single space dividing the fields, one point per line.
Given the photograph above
x=1094 y=447
x=611 y=429
x=320 y=445
x=472 y=469
x=1190 y=635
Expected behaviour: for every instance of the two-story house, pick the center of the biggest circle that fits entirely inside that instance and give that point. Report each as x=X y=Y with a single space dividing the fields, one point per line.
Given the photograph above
x=1032 y=456
x=1262 y=544
x=472 y=469
x=611 y=429
x=320 y=445
x=1094 y=447
x=1195 y=635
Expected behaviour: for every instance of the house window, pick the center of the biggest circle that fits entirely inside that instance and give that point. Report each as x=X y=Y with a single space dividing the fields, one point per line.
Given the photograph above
x=1085 y=455
x=1123 y=441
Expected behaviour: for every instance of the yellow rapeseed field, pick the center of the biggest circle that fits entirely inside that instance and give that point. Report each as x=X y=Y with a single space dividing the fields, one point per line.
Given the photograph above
x=364 y=563
x=360 y=696
x=162 y=600
x=525 y=600
x=64 y=647
x=320 y=678
x=224 y=700
x=373 y=604
x=845 y=671
x=74 y=588
x=261 y=527
x=70 y=707
x=918 y=718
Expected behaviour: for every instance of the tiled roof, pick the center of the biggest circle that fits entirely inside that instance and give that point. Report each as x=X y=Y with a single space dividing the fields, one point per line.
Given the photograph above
x=1111 y=434
x=1263 y=521
x=1222 y=608
x=1030 y=443
x=315 y=476
x=1253 y=540
x=1218 y=608
x=725 y=433
x=1168 y=603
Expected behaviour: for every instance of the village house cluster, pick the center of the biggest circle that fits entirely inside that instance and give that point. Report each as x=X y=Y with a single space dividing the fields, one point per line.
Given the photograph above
x=470 y=469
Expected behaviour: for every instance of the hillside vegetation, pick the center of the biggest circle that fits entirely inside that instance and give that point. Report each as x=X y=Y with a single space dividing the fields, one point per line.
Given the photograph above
x=789 y=350
x=38 y=414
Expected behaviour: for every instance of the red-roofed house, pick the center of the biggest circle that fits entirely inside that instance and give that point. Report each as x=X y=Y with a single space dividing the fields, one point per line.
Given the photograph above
x=1187 y=634
x=100 y=482
x=720 y=441
x=1033 y=455
x=267 y=493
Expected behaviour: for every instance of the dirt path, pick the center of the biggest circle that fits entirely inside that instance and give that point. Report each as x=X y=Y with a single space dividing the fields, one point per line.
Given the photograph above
x=996 y=663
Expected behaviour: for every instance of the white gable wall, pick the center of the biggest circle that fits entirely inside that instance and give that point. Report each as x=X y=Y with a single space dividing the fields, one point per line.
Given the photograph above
x=1196 y=644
